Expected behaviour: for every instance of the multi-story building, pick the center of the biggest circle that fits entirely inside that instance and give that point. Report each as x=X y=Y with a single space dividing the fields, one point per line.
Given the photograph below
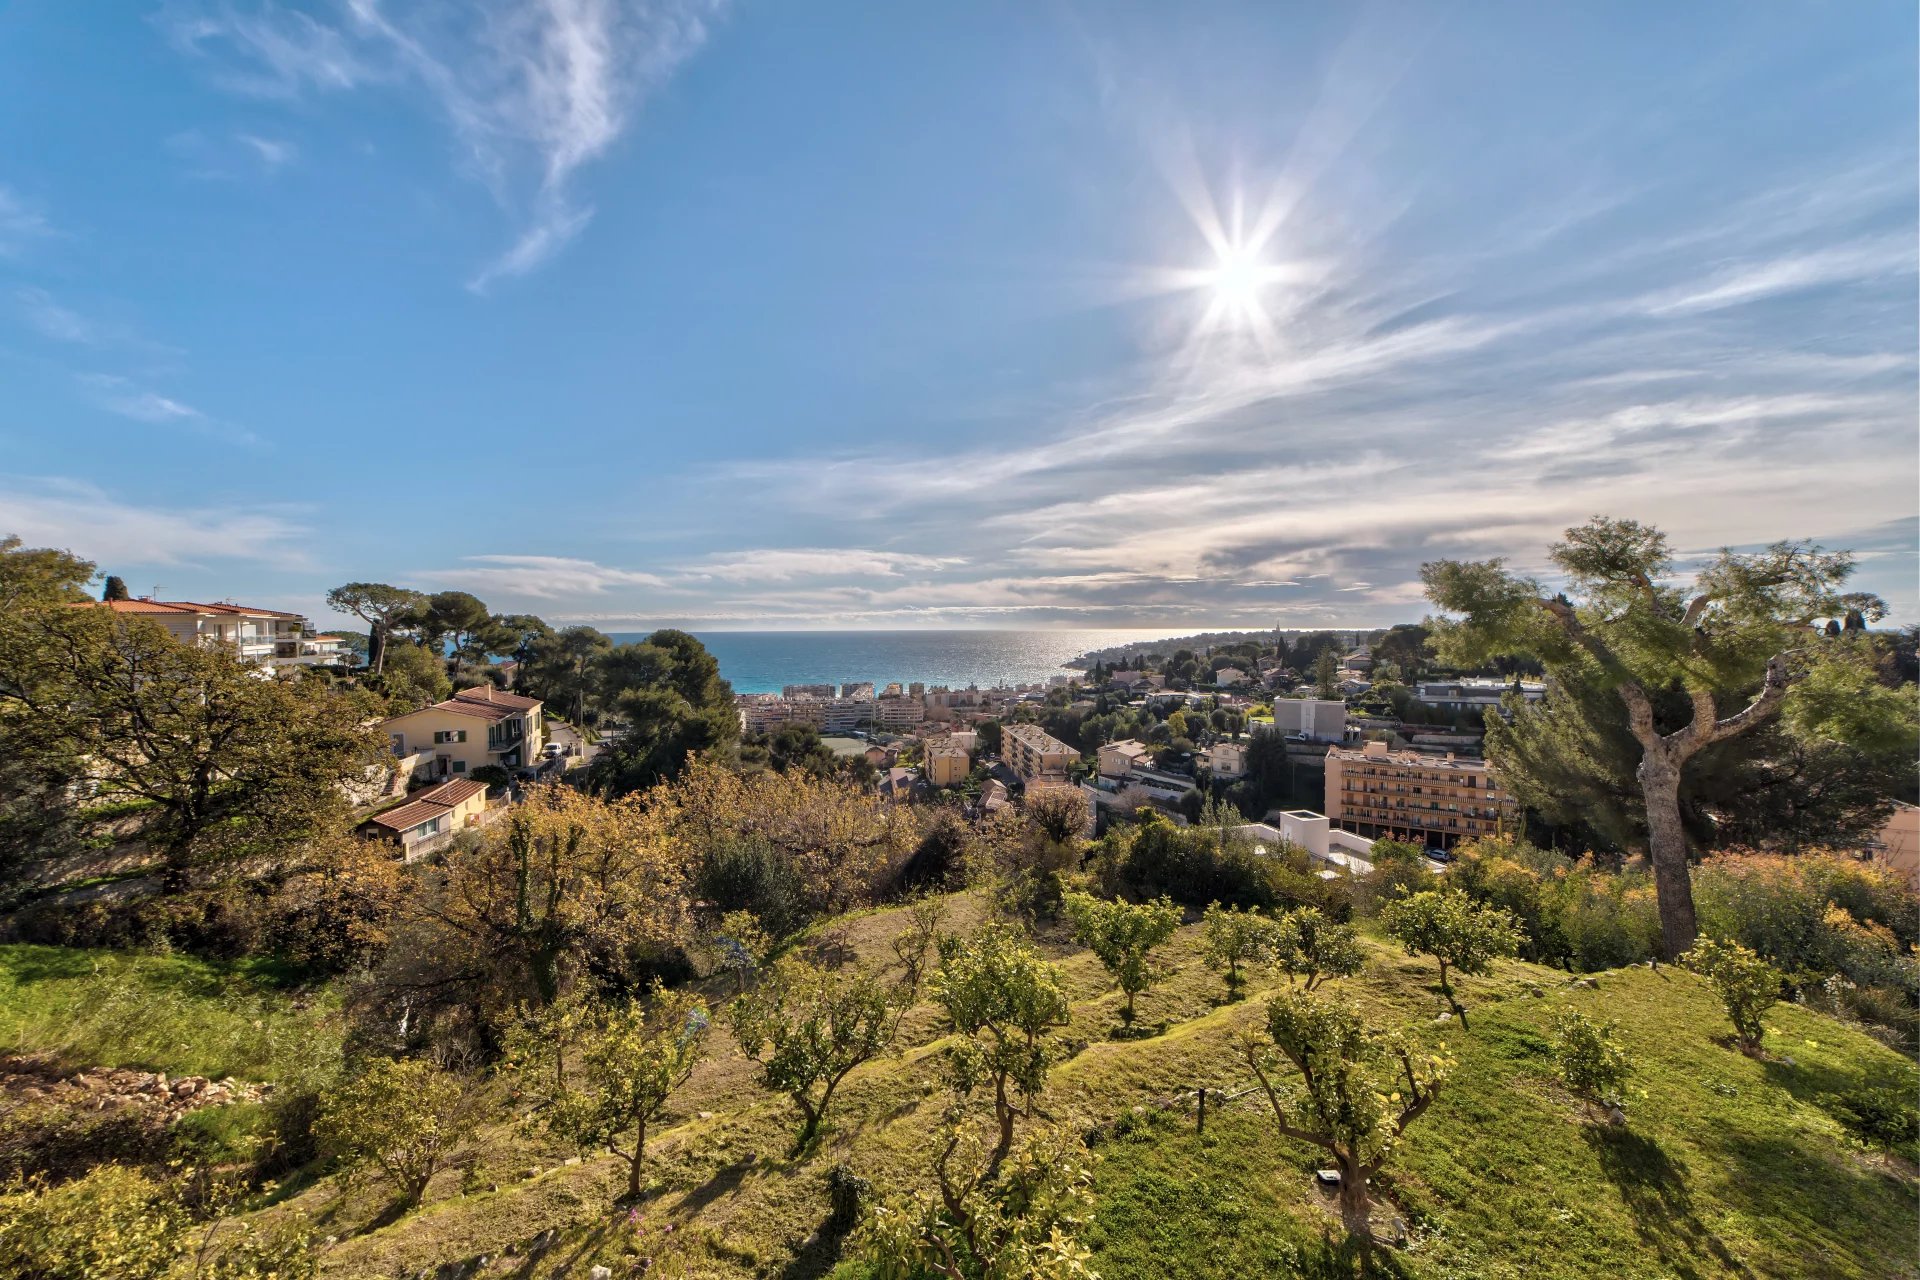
x=1458 y=695
x=1037 y=756
x=807 y=691
x=1317 y=719
x=898 y=713
x=1118 y=759
x=857 y=689
x=948 y=766
x=1405 y=795
x=1227 y=759
x=477 y=726
x=269 y=638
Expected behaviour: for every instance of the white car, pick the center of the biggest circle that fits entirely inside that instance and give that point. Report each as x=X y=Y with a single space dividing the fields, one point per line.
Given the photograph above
x=552 y=751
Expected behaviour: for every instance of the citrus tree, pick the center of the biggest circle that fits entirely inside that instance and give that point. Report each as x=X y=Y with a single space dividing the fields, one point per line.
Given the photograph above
x=1747 y=985
x=1236 y=937
x=1310 y=945
x=1348 y=1088
x=1460 y=933
x=599 y=1071
x=1005 y=1001
x=1590 y=1059
x=1122 y=935
x=808 y=1026
x=404 y=1117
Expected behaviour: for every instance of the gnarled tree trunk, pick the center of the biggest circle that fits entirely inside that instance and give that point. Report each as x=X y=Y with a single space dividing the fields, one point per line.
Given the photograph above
x=1659 y=777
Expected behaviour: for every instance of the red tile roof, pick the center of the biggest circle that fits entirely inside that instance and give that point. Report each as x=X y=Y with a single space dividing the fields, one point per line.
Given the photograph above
x=487 y=694
x=426 y=805
x=185 y=606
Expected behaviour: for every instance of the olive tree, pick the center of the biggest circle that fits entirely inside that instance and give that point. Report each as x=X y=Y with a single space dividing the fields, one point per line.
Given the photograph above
x=404 y=1117
x=1122 y=935
x=1343 y=1086
x=1736 y=642
x=598 y=1071
x=1455 y=930
x=1005 y=1001
x=808 y=1026
x=1747 y=985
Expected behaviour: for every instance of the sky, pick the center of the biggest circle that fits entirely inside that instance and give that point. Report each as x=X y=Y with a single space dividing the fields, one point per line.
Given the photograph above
x=756 y=315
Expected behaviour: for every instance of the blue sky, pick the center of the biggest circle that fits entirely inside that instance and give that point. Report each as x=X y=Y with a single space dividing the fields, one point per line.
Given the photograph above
x=911 y=315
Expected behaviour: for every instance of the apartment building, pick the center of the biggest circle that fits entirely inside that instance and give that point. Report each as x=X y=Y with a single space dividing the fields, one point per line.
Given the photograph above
x=1423 y=799
x=948 y=766
x=1318 y=719
x=1226 y=759
x=475 y=727
x=898 y=713
x=807 y=691
x=1038 y=757
x=269 y=638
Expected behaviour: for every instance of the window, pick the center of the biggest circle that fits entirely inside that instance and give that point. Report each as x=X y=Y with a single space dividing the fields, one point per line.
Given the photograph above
x=443 y=736
x=459 y=766
x=430 y=827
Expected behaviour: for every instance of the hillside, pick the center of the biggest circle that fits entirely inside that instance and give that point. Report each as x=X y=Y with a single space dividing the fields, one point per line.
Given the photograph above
x=1729 y=1167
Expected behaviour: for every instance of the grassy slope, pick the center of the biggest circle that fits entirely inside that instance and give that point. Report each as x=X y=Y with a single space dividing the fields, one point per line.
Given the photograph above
x=1729 y=1168
x=162 y=1013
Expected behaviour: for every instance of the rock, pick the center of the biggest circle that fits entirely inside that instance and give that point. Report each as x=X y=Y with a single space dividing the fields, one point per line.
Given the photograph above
x=1616 y=1117
x=1445 y=1017
x=570 y=1161
x=600 y=1273
x=703 y=1115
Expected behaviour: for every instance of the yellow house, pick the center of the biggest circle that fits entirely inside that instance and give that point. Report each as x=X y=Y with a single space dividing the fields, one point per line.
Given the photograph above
x=474 y=727
x=430 y=818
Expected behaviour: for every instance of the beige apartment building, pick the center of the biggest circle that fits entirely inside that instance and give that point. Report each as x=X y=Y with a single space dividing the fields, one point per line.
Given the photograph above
x=1037 y=756
x=1407 y=795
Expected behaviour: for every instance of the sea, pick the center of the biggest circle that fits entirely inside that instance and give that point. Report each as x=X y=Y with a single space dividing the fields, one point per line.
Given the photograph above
x=765 y=661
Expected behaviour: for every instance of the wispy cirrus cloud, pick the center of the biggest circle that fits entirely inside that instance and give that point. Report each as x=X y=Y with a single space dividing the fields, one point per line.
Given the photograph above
x=53 y=319
x=82 y=516
x=1742 y=282
x=534 y=90
x=21 y=222
x=539 y=577
x=785 y=564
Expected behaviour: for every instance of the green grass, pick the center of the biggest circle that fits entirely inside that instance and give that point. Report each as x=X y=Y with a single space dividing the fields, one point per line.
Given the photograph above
x=1730 y=1167
x=161 y=1013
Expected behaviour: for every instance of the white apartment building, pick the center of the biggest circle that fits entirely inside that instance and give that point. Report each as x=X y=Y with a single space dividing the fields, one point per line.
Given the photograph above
x=1321 y=720
x=269 y=638
x=1458 y=695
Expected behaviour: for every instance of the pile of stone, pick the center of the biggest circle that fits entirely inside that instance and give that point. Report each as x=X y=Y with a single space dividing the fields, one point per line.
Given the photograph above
x=100 y=1088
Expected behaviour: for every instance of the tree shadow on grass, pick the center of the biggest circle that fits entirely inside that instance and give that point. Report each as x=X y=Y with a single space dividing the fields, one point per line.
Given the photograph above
x=819 y=1255
x=1344 y=1258
x=1654 y=1187
x=724 y=1182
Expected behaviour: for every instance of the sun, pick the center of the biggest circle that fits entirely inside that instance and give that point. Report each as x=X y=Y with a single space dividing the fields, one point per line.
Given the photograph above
x=1239 y=277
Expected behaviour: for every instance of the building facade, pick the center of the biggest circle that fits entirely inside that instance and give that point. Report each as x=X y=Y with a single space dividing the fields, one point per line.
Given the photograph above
x=1319 y=719
x=1036 y=755
x=430 y=818
x=269 y=638
x=475 y=727
x=1423 y=799
x=948 y=766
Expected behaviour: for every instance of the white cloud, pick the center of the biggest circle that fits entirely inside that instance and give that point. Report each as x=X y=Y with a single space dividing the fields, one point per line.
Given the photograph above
x=20 y=223
x=60 y=323
x=784 y=564
x=90 y=522
x=533 y=89
x=1787 y=273
x=538 y=577
x=273 y=152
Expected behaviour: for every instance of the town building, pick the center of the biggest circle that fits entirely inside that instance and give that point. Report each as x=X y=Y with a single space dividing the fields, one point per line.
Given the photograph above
x=806 y=691
x=1118 y=759
x=475 y=727
x=1459 y=695
x=897 y=713
x=1317 y=719
x=269 y=638
x=1406 y=795
x=430 y=818
x=1039 y=758
x=1226 y=759
x=1229 y=677
x=948 y=766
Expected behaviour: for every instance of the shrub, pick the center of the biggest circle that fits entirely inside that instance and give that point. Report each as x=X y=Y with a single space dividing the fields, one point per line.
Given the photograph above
x=405 y=1118
x=1590 y=1059
x=1882 y=1113
x=746 y=873
x=114 y=1222
x=1747 y=985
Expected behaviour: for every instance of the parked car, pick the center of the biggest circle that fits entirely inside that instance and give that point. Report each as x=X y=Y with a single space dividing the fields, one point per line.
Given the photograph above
x=552 y=751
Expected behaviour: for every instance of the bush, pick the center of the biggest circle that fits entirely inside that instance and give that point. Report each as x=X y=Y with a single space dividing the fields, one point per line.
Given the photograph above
x=1197 y=866
x=56 y=1142
x=404 y=1118
x=1748 y=986
x=1590 y=1059
x=114 y=1222
x=1883 y=1114
x=748 y=874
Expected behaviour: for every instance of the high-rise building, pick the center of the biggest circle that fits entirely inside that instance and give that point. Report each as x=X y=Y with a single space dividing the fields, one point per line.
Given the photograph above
x=1408 y=795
